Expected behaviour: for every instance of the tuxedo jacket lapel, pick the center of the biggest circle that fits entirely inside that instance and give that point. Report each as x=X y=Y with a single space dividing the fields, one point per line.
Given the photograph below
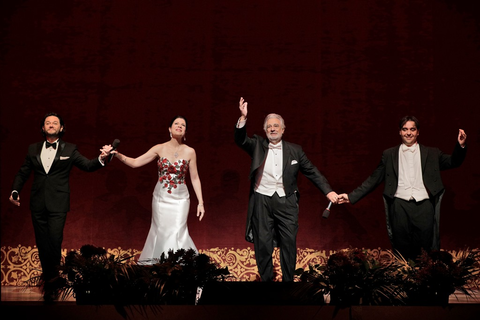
x=259 y=157
x=395 y=160
x=60 y=147
x=38 y=155
x=286 y=156
x=423 y=156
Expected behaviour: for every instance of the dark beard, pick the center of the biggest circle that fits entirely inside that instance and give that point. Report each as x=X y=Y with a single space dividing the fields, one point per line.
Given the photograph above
x=51 y=136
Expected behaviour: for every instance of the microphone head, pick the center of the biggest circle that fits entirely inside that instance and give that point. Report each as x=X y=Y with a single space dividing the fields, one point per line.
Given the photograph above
x=326 y=213
x=14 y=195
x=115 y=144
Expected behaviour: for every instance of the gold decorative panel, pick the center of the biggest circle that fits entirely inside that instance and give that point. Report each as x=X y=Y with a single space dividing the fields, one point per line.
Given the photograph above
x=21 y=263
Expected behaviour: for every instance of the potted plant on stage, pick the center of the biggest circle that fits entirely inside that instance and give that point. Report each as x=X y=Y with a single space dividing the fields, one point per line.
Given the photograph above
x=178 y=277
x=436 y=275
x=95 y=277
x=355 y=277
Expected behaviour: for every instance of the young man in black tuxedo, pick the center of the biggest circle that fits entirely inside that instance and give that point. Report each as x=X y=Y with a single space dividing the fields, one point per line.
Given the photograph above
x=51 y=162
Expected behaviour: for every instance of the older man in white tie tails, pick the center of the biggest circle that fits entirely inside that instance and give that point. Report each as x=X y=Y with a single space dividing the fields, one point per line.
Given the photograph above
x=273 y=204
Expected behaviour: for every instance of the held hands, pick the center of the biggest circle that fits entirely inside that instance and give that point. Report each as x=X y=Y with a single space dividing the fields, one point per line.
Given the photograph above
x=200 y=212
x=332 y=196
x=338 y=198
x=105 y=151
x=462 y=137
x=243 y=108
x=343 y=198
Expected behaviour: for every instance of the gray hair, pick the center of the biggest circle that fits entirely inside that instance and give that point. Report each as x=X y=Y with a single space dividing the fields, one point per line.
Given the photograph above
x=273 y=116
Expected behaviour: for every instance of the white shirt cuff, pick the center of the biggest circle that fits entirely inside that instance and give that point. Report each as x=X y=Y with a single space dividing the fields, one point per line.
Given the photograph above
x=241 y=123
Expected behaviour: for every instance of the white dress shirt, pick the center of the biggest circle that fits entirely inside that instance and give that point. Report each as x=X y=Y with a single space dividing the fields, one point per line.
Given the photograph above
x=269 y=176
x=410 y=177
x=47 y=156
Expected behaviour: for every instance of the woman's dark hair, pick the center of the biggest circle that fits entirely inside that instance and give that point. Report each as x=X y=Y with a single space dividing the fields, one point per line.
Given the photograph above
x=406 y=119
x=50 y=114
x=175 y=118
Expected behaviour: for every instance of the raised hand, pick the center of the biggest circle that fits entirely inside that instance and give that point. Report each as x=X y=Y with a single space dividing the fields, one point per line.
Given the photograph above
x=462 y=137
x=243 y=107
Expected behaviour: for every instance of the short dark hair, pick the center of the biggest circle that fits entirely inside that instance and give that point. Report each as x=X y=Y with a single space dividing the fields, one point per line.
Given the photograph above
x=406 y=119
x=53 y=114
x=175 y=118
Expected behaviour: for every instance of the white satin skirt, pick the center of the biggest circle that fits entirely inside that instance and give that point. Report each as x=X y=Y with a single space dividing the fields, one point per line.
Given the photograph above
x=168 y=230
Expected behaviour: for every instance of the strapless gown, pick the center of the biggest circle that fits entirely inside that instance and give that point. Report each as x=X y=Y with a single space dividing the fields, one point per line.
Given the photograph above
x=170 y=206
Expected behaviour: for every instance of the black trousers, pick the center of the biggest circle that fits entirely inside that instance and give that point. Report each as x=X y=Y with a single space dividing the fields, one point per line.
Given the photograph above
x=412 y=226
x=275 y=217
x=48 y=228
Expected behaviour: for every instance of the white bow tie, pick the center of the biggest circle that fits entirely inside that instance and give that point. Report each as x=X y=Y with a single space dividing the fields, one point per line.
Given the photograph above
x=411 y=148
x=277 y=146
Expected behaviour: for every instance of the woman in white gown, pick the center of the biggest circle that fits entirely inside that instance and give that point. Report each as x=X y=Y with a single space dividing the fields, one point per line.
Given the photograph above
x=171 y=200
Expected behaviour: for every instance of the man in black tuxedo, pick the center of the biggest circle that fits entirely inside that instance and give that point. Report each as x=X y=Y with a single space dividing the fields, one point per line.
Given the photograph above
x=51 y=161
x=273 y=204
x=413 y=189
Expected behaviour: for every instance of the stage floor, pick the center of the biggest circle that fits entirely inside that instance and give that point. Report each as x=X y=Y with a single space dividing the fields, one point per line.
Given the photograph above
x=27 y=303
x=32 y=294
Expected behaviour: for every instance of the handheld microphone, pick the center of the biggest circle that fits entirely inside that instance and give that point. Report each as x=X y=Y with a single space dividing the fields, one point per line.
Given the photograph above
x=115 y=145
x=326 y=213
x=14 y=195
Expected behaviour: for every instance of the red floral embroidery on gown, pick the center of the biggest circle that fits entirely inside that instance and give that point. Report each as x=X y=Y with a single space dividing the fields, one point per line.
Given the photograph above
x=170 y=206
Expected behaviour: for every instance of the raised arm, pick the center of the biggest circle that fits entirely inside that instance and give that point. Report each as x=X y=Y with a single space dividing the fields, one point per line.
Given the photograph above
x=142 y=160
x=462 y=137
x=243 y=109
x=197 y=186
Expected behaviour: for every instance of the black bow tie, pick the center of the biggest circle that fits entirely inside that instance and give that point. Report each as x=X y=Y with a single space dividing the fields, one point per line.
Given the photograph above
x=48 y=145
